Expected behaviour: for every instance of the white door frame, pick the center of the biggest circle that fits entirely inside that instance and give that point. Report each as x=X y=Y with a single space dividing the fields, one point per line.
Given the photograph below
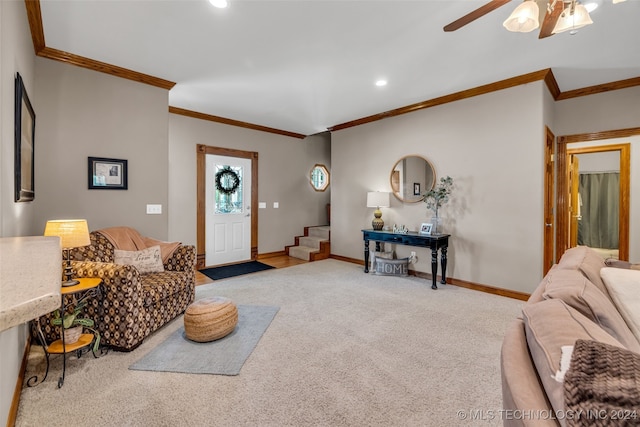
x=201 y=152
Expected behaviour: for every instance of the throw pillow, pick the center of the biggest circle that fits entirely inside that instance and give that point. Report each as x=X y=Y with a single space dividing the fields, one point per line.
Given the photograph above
x=624 y=288
x=578 y=292
x=392 y=267
x=379 y=254
x=550 y=325
x=148 y=260
x=602 y=385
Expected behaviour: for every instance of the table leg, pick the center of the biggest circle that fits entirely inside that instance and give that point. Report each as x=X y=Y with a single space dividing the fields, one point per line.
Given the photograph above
x=434 y=268
x=443 y=262
x=366 y=256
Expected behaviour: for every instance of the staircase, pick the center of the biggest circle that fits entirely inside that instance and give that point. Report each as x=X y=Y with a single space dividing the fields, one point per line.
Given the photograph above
x=314 y=245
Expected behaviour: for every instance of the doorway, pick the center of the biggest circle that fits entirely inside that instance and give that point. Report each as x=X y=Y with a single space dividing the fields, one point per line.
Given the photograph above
x=569 y=206
x=227 y=190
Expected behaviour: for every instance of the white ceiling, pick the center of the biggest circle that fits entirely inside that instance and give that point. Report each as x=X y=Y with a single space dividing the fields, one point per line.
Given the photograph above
x=306 y=65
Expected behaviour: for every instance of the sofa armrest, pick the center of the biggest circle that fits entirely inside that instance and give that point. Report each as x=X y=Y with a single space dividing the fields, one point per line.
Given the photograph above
x=118 y=281
x=182 y=259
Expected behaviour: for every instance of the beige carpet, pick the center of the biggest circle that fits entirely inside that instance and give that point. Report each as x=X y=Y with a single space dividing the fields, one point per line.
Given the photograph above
x=346 y=349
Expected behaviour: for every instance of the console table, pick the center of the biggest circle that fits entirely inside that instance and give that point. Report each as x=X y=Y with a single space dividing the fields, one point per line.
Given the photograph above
x=413 y=238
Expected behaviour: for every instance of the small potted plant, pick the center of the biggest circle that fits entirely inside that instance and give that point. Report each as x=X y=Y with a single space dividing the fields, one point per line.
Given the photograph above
x=438 y=196
x=73 y=323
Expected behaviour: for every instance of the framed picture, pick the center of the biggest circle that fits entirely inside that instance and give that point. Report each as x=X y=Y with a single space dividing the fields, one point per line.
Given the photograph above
x=416 y=188
x=425 y=228
x=107 y=174
x=25 y=130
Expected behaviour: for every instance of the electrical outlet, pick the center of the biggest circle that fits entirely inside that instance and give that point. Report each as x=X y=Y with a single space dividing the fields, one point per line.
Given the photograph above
x=413 y=253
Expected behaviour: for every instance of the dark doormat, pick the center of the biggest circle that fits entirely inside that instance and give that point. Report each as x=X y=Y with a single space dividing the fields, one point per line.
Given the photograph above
x=224 y=272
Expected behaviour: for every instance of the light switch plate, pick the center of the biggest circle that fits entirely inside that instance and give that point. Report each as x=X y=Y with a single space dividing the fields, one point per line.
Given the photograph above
x=276 y=205
x=154 y=209
x=262 y=205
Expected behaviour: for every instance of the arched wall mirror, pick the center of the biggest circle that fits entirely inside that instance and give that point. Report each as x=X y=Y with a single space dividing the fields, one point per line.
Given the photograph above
x=411 y=177
x=319 y=177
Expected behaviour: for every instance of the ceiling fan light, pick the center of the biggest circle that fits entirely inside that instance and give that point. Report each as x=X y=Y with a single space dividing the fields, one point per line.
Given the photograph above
x=524 y=18
x=578 y=19
x=220 y=4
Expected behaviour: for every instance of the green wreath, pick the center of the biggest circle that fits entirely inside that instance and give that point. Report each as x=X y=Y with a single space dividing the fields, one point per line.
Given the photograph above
x=227 y=181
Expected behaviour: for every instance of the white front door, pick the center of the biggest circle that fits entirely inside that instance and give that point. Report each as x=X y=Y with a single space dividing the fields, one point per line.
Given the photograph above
x=228 y=209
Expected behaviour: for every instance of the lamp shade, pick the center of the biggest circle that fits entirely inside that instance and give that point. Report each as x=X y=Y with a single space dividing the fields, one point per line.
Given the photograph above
x=524 y=18
x=378 y=199
x=572 y=21
x=73 y=233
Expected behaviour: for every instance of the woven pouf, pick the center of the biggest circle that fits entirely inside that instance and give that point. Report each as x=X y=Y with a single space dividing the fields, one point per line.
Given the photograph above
x=210 y=319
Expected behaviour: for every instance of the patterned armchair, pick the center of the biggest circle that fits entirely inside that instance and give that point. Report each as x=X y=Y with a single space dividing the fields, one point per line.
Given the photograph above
x=131 y=305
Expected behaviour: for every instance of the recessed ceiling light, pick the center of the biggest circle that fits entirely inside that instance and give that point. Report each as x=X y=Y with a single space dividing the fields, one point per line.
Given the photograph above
x=381 y=83
x=221 y=4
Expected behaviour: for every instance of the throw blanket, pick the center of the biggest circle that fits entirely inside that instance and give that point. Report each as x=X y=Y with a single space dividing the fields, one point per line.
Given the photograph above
x=602 y=386
x=128 y=239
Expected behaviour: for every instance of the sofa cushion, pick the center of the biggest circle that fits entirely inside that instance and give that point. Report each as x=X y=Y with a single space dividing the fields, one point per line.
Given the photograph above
x=148 y=260
x=587 y=261
x=157 y=287
x=578 y=292
x=603 y=380
x=549 y=325
x=624 y=288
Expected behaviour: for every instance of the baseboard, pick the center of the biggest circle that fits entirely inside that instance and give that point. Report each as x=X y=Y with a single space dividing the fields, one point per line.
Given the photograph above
x=271 y=255
x=15 y=402
x=452 y=281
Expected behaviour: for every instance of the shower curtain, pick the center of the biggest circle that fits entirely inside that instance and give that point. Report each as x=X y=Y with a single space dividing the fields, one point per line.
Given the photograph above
x=600 y=194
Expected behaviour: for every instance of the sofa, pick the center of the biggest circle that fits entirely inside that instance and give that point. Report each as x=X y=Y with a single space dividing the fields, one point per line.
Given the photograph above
x=131 y=304
x=573 y=355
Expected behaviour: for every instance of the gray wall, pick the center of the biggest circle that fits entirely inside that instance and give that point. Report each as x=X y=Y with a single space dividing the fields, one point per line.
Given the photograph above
x=85 y=113
x=283 y=176
x=492 y=146
x=16 y=219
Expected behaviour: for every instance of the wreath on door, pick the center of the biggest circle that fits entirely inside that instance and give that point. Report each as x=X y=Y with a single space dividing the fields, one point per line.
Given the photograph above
x=227 y=180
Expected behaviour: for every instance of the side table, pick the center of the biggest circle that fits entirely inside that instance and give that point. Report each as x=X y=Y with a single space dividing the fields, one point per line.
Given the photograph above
x=87 y=287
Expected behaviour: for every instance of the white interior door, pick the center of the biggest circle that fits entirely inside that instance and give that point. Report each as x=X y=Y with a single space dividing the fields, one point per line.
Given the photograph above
x=228 y=209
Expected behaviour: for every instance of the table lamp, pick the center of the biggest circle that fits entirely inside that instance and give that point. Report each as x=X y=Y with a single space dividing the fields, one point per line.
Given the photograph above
x=378 y=199
x=73 y=233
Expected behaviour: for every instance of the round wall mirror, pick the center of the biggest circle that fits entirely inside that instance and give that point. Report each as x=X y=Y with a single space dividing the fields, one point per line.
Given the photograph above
x=411 y=177
x=319 y=177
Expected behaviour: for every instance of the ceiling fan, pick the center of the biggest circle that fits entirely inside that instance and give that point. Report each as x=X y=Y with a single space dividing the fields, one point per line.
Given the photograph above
x=550 y=12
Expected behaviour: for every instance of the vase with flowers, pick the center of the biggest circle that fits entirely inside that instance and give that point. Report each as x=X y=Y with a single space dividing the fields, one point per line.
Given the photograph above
x=436 y=197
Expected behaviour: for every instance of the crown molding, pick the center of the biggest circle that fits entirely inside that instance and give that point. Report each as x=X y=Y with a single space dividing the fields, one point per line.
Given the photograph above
x=231 y=122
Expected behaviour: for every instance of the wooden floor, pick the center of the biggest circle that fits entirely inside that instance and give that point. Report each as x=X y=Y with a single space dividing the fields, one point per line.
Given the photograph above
x=282 y=261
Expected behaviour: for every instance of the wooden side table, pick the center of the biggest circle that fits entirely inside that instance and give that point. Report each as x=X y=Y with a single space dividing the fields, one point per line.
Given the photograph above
x=87 y=286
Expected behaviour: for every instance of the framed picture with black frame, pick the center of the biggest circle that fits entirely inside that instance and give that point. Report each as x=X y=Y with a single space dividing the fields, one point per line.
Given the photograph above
x=25 y=130
x=107 y=174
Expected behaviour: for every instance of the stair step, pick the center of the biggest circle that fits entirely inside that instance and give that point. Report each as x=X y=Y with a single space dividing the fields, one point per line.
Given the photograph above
x=311 y=241
x=314 y=246
x=301 y=252
x=321 y=231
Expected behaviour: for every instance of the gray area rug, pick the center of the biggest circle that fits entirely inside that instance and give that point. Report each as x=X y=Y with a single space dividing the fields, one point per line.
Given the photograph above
x=222 y=357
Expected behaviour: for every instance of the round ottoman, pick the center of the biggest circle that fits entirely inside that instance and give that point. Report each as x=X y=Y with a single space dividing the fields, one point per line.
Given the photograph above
x=210 y=319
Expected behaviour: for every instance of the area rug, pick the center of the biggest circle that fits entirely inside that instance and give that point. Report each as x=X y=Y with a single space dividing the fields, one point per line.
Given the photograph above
x=224 y=272
x=221 y=357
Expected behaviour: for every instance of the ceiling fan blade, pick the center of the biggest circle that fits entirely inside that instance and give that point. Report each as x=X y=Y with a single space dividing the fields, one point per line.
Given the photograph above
x=550 y=20
x=472 y=16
